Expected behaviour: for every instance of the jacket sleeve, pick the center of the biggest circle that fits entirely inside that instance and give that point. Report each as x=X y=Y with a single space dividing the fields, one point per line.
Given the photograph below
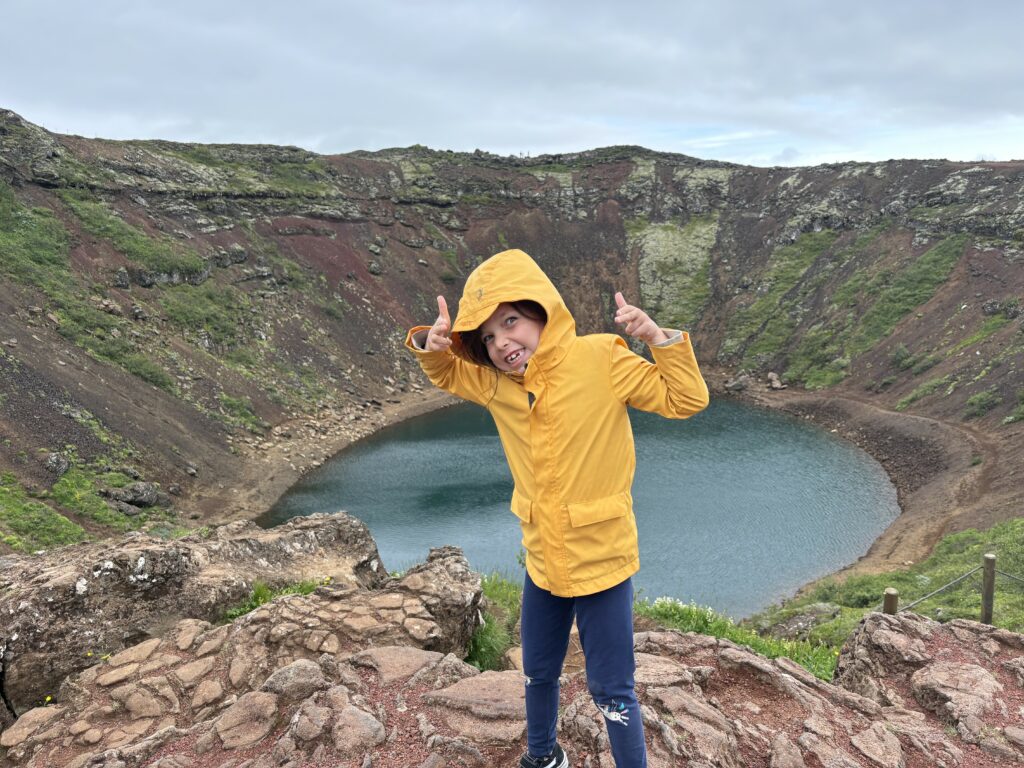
x=672 y=386
x=453 y=374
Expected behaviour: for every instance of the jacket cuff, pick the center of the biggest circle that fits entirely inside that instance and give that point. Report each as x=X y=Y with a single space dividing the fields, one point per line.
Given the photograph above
x=674 y=337
x=416 y=339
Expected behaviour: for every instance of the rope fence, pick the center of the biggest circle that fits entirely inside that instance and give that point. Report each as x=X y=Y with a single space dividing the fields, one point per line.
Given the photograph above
x=891 y=597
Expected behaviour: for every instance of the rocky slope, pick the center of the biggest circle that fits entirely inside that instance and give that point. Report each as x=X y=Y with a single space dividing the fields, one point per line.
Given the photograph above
x=355 y=675
x=63 y=611
x=174 y=313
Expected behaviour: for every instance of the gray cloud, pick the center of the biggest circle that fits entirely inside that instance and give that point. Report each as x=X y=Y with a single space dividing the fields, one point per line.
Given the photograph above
x=790 y=82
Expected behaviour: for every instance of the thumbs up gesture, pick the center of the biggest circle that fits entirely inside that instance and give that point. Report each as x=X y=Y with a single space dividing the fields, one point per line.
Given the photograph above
x=438 y=337
x=637 y=323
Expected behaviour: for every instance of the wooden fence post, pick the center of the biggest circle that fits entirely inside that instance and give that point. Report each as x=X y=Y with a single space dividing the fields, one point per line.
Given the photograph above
x=988 y=587
x=891 y=601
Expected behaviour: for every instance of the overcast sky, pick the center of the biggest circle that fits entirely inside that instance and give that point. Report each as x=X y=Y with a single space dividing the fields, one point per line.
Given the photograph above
x=762 y=82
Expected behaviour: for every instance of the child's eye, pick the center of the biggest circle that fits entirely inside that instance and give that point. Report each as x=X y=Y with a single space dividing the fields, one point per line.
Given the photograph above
x=487 y=339
x=510 y=319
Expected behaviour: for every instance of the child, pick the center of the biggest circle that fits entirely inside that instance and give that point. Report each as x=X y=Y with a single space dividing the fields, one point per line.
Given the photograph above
x=559 y=402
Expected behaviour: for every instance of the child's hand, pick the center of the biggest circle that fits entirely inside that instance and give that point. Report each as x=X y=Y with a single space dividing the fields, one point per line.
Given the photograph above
x=638 y=324
x=437 y=337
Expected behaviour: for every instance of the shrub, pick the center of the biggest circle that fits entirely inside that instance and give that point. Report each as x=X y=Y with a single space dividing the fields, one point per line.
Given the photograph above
x=981 y=403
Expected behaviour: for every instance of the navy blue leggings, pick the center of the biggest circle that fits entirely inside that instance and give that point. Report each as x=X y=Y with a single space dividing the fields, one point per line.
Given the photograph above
x=605 y=622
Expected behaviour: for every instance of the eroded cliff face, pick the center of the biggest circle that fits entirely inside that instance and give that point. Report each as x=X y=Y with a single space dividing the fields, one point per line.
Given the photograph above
x=165 y=306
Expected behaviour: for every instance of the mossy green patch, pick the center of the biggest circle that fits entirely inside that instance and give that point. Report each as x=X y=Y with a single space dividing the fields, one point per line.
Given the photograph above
x=27 y=525
x=886 y=297
x=225 y=169
x=157 y=255
x=989 y=327
x=909 y=288
x=33 y=245
x=1017 y=414
x=105 y=337
x=262 y=594
x=675 y=266
x=929 y=387
x=764 y=327
x=76 y=490
x=981 y=403
x=239 y=411
x=219 y=312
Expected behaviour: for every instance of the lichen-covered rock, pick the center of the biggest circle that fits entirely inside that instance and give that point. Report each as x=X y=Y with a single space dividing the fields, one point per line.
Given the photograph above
x=64 y=610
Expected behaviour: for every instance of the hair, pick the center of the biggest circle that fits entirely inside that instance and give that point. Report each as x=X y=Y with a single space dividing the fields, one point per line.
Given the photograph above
x=473 y=343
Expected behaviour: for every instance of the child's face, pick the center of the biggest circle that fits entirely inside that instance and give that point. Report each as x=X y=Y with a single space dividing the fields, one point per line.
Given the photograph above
x=510 y=337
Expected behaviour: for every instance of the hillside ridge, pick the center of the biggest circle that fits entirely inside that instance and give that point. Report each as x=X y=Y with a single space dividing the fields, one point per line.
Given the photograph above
x=188 y=328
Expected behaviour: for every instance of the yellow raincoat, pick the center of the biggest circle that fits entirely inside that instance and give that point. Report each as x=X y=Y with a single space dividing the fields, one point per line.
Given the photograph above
x=571 y=450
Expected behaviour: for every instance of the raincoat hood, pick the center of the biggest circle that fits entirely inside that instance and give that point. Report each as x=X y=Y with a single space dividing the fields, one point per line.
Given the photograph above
x=513 y=276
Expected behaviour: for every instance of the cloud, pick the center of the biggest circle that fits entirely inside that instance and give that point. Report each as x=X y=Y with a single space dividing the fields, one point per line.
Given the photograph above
x=741 y=81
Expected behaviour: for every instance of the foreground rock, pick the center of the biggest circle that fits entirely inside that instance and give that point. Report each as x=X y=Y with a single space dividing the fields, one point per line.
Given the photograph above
x=295 y=664
x=273 y=690
x=64 y=610
x=969 y=676
x=369 y=671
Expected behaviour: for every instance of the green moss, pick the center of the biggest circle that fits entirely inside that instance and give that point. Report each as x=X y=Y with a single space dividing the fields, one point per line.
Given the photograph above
x=27 y=525
x=158 y=255
x=76 y=491
x=821 y=357
x=33 y=245
x=981 y=403
x=238 y=410
x=675 y=269
x=635 y=226
x=1018 y=413
x=220 y=312
x=922 y=364
x=34 y=251
x=908 y=289
x=262 y=594
x=928 y=388
x=764 y=327
x=989 y=327
x=309 y=178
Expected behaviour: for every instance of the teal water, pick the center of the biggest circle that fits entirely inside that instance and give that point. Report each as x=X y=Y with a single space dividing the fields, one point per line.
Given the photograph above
x=736 y=507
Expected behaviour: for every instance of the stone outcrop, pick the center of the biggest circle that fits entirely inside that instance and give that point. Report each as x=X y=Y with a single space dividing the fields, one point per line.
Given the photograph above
x=965 y=674
x=297 y=663
x=295 y=683
x=64 y=610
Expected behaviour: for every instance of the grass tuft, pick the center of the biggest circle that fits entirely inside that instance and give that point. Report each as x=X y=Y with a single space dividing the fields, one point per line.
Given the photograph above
x=262 y=594
x=817 y=658
x=27 y=525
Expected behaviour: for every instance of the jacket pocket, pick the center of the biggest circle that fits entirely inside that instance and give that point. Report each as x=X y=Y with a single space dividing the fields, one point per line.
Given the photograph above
x=598 y=510
x=521 y=507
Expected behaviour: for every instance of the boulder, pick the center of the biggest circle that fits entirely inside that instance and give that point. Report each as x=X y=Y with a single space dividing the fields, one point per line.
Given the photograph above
x=63 y=610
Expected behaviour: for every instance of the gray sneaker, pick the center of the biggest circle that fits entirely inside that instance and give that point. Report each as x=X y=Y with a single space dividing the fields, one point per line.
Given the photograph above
x=556 y=759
